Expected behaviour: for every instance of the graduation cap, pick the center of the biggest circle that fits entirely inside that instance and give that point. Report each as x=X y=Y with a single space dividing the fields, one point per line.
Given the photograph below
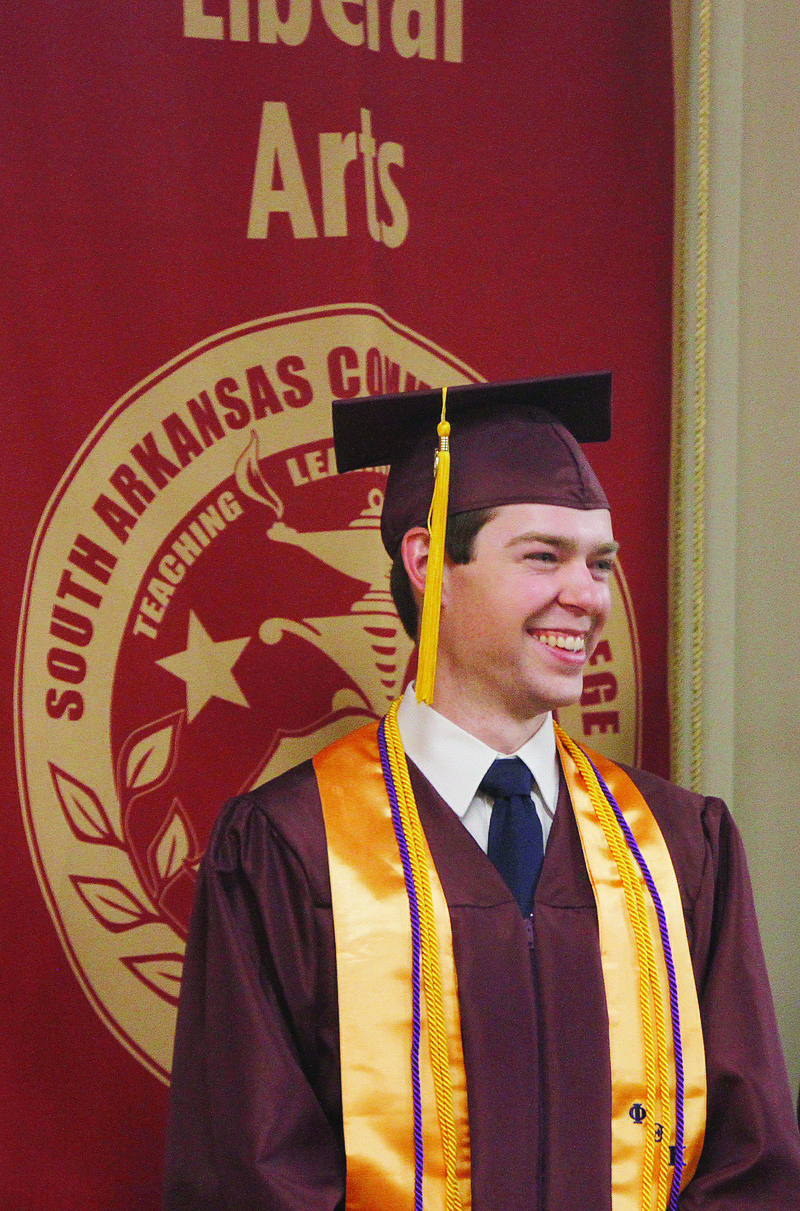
x=494 y=444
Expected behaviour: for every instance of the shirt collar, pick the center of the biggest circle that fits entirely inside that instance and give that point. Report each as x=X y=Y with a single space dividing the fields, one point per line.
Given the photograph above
x=454 y=761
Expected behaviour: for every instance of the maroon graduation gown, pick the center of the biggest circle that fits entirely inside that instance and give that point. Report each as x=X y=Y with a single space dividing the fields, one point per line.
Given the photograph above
x=256 y=1117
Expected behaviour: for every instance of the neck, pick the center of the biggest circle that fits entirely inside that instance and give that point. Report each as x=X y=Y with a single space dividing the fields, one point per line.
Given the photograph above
x=487 y=721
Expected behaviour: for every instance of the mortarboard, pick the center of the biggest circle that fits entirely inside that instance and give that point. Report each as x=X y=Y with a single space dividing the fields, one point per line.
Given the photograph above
x=509 y=442
x=501 y=443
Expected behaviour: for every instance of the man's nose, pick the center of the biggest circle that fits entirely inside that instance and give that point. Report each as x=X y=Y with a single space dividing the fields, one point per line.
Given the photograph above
x=579 y=589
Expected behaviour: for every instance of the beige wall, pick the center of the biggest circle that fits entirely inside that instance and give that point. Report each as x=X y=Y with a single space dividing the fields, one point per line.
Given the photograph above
x=751 y=706
x=767 y=653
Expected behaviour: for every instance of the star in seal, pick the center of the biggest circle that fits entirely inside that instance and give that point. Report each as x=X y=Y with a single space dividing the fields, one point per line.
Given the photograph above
x=206 y=666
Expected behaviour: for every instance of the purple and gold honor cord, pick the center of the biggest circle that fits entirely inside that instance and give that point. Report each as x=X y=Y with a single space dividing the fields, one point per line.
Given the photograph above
x=425 y=961
x=672 y=984
x=624 y=850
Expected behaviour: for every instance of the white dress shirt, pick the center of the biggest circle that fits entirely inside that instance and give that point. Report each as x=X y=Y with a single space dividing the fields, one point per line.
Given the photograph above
x=454 y=762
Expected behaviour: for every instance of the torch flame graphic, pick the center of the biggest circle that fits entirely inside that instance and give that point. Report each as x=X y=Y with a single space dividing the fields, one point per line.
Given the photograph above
x=251 y=481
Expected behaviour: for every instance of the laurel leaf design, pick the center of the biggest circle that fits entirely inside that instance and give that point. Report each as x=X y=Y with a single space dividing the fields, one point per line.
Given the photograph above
x=161 y=973
x=173 y=846
x=148 y=755
x=85 y=813
x=111 y=903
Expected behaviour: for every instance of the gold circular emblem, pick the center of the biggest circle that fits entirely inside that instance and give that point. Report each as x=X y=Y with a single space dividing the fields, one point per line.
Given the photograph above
x=207 y=604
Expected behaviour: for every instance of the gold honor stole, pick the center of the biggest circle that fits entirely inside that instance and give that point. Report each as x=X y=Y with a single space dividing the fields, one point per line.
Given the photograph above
x=375 y=975
x=395 y=1047
x=658 y=1098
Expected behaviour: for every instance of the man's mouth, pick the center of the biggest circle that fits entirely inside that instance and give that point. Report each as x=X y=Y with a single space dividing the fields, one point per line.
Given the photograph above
x=558 y=639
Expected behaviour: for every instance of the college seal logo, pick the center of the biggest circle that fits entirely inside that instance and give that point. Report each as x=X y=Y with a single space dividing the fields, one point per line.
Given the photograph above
x=207 y=604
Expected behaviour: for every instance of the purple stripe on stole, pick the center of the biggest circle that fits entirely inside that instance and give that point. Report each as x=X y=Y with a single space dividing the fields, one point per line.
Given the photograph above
x=416 y=951
x=673 y=991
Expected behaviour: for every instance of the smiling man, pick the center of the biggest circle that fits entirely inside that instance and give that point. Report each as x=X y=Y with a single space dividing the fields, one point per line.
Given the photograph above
x=456 y=961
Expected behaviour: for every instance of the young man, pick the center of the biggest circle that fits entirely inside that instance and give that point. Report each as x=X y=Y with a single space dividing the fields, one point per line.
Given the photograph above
x=453 y=962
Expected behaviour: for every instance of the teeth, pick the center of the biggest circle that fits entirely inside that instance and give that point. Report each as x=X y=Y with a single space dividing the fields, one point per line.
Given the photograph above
x=572 y=643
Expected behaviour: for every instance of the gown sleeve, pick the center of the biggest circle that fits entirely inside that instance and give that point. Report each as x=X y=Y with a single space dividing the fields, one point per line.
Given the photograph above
x=751 y=1155
x=255 y=1117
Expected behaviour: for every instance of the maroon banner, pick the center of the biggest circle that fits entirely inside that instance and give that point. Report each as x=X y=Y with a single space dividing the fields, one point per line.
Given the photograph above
x=220 y=215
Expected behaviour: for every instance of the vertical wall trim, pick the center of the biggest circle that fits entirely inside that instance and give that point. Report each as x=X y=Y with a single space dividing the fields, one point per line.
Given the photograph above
x=706 y=401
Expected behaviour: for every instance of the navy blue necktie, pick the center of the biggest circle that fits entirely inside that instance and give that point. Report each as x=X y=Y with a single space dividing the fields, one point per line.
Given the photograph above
x=516 y=845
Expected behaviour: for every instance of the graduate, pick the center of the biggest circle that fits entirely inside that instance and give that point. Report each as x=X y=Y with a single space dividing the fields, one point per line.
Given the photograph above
x=457 y=961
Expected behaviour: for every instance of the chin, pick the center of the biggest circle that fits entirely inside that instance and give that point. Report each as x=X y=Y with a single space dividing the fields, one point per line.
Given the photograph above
x=555 y=697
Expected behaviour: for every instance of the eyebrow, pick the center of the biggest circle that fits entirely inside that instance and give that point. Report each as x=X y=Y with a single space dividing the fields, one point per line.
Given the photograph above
x=561 y=543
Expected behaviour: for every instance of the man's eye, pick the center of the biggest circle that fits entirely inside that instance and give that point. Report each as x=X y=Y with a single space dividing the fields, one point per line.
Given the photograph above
x=541 y=556
x=606 y=566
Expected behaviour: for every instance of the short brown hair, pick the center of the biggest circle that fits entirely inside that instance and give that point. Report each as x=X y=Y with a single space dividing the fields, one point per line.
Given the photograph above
x=462 y=530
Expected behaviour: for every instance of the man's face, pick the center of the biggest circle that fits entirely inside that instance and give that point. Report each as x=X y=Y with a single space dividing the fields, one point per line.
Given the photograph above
x=520 y=621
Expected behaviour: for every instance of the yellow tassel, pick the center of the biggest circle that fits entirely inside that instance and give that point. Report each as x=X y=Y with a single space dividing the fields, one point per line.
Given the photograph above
x=432 y=600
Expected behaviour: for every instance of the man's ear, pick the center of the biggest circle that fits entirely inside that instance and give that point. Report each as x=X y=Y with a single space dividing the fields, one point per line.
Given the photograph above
x=414 y=548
